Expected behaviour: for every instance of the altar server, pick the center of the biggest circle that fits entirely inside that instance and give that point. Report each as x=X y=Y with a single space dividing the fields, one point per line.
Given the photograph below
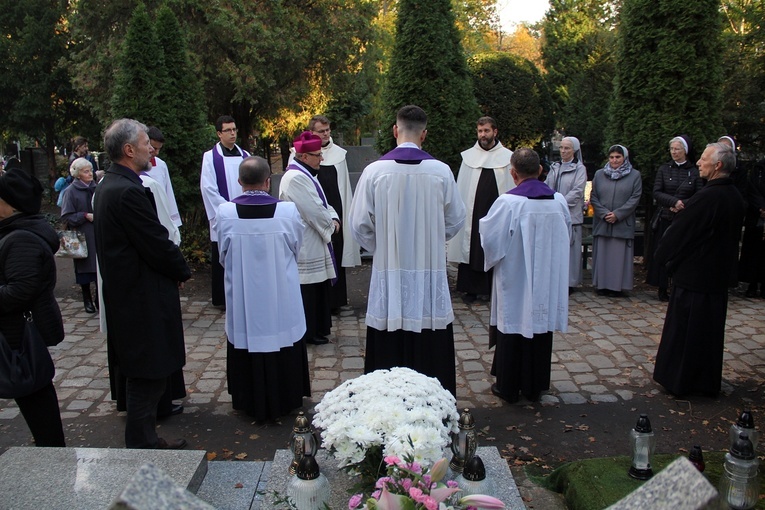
x=259 y=238
x=525 y=237
x=405 y=208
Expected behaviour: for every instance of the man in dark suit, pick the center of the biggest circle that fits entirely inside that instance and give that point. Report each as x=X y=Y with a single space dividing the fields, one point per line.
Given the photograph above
x=141 y=270
x=700 y=251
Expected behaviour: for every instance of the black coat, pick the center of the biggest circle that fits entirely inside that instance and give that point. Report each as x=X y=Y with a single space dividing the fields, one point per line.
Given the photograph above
x=141 y=269
x=700 y=248
x=675 y=183
x=28 y=277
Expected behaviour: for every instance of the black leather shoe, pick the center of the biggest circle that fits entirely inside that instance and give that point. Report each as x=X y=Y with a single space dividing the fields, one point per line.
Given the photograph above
x=501 y=395
x=176 y=409
x=663 y=295
x=175 y=444
x=318 y=340
x=89 y=307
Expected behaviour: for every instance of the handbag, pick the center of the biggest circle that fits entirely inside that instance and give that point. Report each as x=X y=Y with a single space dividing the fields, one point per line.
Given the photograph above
x=73 y=244
x=24 y=371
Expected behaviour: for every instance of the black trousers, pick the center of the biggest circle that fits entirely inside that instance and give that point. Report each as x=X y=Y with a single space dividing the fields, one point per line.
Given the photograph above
x=218 y=288
x=143 y=395
x=40 y=410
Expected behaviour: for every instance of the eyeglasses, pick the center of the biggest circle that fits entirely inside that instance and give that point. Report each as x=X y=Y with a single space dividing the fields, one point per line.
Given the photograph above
x=229 y=130
x=315 y=154
x=323 y=131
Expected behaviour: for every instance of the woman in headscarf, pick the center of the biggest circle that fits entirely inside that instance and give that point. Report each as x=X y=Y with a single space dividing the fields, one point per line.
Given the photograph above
x=616 y=190
x=676 y=181
x=569 y=177
x=77 y=212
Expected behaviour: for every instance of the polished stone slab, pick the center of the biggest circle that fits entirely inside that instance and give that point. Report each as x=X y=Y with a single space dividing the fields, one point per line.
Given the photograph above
x=497 y=470
x=86 y=478
x=152 y=489
x=234 y=485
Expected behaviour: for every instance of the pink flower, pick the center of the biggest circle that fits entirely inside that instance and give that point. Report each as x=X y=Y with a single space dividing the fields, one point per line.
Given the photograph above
x=443 y=493
x=376 y=494
x=392 y=460
x=406 y=483
x=451 y=484
x=426 y=480
x=438 y=471
x=416 y=494
x=355 y=501
x=382 y=481
x=430 y=503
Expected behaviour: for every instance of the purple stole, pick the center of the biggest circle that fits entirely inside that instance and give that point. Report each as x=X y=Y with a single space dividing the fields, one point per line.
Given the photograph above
x=532 y=188
x=255 y=200
x=220 y=170
x=406 y=154
x=293 y=166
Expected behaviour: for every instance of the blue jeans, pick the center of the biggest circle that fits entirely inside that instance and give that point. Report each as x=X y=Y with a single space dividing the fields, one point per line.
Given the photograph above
x=142 y=398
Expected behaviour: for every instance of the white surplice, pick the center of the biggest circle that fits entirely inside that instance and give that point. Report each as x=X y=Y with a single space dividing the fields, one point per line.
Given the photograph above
x=263 y=311
x=208 y=184
x=334 y=155
x=474 y=160
x=161 y=174
x=403 y=214
x=315 y=262
x=526 y=242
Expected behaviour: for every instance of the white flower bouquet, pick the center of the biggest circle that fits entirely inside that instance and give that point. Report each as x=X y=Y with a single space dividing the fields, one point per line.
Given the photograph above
x=397 y=412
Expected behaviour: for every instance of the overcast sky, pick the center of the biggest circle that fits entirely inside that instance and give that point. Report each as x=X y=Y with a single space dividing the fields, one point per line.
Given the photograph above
x=512 y=12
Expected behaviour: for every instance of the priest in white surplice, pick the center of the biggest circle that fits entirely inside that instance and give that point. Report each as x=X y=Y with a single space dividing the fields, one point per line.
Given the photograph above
x=259 y=239
x=219 y=183
x=405 y=208
x=316 y=263
x=336 y=183
x=483 y=176
x=525 y=238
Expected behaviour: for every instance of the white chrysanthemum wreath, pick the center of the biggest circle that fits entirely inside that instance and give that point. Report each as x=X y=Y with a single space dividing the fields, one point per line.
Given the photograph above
x=387 y=408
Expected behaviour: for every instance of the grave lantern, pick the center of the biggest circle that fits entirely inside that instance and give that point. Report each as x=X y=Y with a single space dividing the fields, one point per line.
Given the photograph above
x=745 y=424
x=303 y=441
x=739 y=486
x=309 y=489
x=643 y=443
x=473 y=478
x=464 y=442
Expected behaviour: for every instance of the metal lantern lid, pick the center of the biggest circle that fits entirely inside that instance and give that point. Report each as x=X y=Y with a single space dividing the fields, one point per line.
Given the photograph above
x=742 y=448
x=745 y=420
x=643 y=424
x=474 y=470
x=308 y=468
x=696 y=454
x=302 y=424
x=466 y=420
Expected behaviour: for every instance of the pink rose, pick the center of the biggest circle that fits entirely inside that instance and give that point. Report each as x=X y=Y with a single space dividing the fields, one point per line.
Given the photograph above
x=355 y=501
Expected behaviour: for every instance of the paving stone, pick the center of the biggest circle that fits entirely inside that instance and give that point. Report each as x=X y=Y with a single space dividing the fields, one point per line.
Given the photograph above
x=577 y=367
x=564 y=386
x=572 y=398
x=606 y=398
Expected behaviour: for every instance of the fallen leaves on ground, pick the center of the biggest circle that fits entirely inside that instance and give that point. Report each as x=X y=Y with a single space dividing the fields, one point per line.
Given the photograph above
x=211 y=455
x=240 y=456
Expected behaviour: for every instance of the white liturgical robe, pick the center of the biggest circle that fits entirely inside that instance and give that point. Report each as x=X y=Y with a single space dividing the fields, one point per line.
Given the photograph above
x=208 y=183
x=526 y=242
x=403 y=213
x=474 y=160
x=161 y=174
x=263 y=310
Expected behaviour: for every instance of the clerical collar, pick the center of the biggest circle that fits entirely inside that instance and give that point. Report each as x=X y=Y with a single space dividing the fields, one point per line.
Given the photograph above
x=233 y=151
x=312 y=170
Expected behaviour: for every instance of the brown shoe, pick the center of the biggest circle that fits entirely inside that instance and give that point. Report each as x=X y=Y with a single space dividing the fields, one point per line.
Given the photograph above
x=176 y=444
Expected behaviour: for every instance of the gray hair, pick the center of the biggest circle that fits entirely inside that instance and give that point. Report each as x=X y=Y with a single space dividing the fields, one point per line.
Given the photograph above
x=77 y=165
x=725 y=155
x=119 y=133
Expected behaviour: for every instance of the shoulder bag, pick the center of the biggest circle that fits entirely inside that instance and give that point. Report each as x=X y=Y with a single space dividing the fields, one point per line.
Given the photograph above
x=73 y=244
x=24 y=371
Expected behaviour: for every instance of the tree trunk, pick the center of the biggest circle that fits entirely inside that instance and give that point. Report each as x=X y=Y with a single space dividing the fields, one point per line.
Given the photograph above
x=242 y=114
x=50 y=151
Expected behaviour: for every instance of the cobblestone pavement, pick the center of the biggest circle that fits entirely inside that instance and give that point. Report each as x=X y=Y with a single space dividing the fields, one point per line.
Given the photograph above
x=606 y=356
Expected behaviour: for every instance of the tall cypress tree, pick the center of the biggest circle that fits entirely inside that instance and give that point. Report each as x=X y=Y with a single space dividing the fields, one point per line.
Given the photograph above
x=428 y=68
x=141 y=74
x=185 y=129
x=668 y=78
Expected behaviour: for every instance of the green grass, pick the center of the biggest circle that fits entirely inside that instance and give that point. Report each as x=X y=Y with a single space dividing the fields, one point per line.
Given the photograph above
x=595 y=484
